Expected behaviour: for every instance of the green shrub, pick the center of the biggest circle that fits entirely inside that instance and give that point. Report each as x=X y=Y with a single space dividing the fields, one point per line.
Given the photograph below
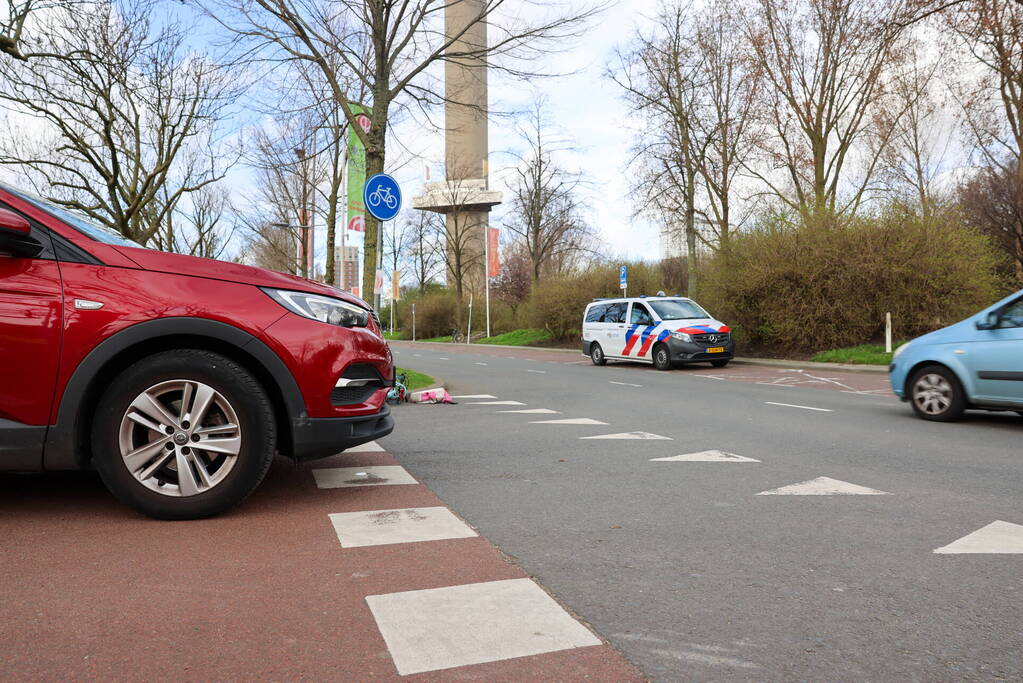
x=829 y=283
x=436 y=313
x=524 y=337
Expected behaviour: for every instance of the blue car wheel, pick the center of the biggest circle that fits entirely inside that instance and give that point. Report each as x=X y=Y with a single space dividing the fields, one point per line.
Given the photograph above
x=936 y=394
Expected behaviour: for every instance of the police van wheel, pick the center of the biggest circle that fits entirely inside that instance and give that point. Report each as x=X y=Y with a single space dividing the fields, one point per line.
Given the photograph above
x=597 y=355
x=662 y=359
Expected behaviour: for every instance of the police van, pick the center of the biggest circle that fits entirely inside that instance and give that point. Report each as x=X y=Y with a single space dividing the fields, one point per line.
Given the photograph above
x=663 y=330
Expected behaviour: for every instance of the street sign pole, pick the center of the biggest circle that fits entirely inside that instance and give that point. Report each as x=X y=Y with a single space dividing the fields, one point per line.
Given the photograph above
x=486 y=269
x=623 y=280
x=382 y=197
x=413 y=322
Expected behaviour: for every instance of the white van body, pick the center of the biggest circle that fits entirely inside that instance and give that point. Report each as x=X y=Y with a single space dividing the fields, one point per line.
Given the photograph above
x=632 y=328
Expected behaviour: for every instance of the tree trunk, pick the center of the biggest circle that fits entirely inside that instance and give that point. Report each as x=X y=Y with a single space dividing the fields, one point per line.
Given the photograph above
x=335 y=190
x=374 y=165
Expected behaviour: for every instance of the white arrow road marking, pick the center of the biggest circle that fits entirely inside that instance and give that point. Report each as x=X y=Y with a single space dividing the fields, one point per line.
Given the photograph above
x=626 y=384
x=532 y=411
x=630 y=435
x=495 y=403
x=823 y=486
x=791 y=405
x=998 y=537
x=474 y=396
x=705 y=456
x=569 y=421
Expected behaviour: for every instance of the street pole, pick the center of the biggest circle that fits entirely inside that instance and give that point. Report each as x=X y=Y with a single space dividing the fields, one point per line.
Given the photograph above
x=486 y=269
x=380 y=262
x=888 y=332
x=468 y=334
x=413 y=322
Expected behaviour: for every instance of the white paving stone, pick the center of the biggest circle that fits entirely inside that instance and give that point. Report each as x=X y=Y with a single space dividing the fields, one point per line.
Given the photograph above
x=407 y=525
x=441 y=628
x=823 y=486
x=369 y=447
x=705 y=456
x=630 y=435
x=569 y=421
x=532 y=411
x=369 y=475
x=997 y=538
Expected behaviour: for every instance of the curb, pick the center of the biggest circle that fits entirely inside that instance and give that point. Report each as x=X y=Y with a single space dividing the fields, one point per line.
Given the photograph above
x=766 y=362
x=811 y=365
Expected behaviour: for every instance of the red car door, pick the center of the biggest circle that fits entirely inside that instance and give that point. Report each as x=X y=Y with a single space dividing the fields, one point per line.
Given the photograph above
x=31 y=305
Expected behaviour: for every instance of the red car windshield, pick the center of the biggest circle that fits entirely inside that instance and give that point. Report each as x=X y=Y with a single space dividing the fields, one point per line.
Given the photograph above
x=93 y=231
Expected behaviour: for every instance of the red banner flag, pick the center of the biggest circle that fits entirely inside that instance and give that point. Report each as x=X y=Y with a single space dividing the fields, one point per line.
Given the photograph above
x=493 y=260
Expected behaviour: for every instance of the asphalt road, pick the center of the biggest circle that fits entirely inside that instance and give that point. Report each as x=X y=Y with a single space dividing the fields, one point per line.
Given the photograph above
x=689 y=572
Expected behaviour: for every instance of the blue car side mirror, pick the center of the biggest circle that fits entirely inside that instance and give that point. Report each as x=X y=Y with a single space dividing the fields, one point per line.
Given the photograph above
x=990 y=321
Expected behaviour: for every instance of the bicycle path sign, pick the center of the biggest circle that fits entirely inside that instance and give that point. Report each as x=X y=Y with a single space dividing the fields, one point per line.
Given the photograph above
x=382 y=197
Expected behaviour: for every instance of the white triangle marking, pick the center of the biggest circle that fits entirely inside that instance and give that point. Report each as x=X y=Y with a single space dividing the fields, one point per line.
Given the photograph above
x=569 y=421
x=705 y=456
x=496 y=403
x=474 y=396
x=998 y=537
x=630 y=435
x=532 y=411
x=823 y=486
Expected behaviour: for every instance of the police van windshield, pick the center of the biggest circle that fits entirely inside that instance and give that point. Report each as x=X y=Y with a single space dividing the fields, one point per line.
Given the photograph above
x=677 y=309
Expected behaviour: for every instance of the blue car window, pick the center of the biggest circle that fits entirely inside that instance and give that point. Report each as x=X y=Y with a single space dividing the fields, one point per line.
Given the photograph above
x=1012 y=315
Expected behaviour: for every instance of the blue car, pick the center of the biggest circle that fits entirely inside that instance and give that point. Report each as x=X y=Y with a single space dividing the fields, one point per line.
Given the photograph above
x=976 y=363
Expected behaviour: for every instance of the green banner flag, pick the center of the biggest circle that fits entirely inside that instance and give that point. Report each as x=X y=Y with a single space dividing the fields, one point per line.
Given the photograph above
x=357 y=169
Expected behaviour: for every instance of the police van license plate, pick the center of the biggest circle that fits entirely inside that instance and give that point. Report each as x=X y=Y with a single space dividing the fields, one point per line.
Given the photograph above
x=716 y=349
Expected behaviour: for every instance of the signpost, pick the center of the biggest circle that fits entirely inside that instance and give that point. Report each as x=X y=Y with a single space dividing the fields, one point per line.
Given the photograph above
x=623 y=280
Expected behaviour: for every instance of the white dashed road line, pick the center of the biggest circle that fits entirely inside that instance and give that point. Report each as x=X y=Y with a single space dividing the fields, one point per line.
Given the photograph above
x=539 y=372
x=479 y=363
x=367 y=475
x=474 y=396
x=626 y=384
x=791 y=405
x=630 y=435
x=569 y=421
x=409 y=525
x=532 y=411
x=441 y=628
x=496 y=403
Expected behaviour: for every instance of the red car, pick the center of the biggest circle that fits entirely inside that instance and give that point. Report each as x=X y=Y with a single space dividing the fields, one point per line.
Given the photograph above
x=177 y=378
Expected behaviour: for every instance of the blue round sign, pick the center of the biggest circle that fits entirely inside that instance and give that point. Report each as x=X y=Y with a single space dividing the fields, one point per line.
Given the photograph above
x=382 y=197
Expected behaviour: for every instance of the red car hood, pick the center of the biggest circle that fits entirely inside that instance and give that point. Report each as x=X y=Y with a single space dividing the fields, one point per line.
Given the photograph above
x=180 y=264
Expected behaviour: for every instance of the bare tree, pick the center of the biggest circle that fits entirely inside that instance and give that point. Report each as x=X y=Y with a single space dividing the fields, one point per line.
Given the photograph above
x=992 y=105
x=662 y=78
x=209 y=223
x=919 y=143
x=126 y=130
x=992 y=200
x=283 y=195
x=424 y=255
x=546 y=207
x=24 y=24
x=389 y=47
x=823 y=61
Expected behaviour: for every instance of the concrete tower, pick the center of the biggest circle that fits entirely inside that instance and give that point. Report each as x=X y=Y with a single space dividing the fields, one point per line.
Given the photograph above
x=464 y=196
